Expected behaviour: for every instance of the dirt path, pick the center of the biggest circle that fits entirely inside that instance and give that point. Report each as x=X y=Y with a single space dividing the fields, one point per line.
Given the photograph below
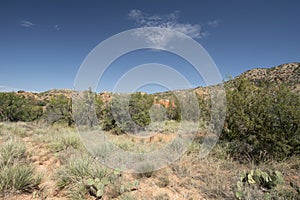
x=45 y=163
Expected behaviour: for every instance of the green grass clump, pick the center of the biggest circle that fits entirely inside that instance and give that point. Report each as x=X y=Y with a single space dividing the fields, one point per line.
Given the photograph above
x=77 y=169
x=16 y=175
x=64 y=141
x=82 y=176
x=16 y=129
x=74 y=177
x=11 y=152
x=18 y=178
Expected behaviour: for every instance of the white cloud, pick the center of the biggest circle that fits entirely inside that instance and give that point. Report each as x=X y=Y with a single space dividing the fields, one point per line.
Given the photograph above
x=8 y=89
x=169 y=21
x=57 y=27
x=214 y=23
x=194 y=31
x=26 y=23
x=29 y=24
x=135 y=14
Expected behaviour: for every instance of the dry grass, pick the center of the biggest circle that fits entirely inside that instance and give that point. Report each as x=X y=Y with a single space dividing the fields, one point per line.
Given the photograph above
x=214 y=177
x=16 y=173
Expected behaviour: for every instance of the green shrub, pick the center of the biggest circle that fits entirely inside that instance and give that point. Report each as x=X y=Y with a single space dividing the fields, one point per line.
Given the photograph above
x=139 y=106
x=262 y=121
x=15 y=107
x=84 y=105
x=127 y=113
x=59 y=109
x=107 y=121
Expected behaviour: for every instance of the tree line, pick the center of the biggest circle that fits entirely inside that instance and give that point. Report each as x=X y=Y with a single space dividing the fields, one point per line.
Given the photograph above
x=260 y=120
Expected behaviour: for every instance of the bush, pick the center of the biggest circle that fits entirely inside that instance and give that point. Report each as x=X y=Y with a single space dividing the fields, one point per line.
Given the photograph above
x=15 y=107
x=126 y=113
x=84 y=108
x=59 y=109
x=107 y=121
x=262 y=121
x=139 y=106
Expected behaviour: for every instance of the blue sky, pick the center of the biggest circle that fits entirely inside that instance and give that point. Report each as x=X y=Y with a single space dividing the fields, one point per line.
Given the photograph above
x=43 y=43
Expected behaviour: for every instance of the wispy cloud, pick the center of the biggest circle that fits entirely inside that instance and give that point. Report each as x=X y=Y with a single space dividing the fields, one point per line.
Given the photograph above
x=170 y=21
x=56 y=27
x=27 y=24
x=161 y=38
x=214 y=23
x=8 y=89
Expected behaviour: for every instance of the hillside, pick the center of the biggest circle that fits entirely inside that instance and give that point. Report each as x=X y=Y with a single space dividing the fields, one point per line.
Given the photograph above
x=288 y=74
x=43 y=156
x=285 y=74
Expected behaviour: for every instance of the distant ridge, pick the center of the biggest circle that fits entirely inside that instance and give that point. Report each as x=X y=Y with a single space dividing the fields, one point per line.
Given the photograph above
x=288 y=74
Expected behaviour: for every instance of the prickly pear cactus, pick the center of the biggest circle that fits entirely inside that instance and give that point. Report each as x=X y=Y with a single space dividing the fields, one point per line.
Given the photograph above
x=96 y=186
x=262 y=179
